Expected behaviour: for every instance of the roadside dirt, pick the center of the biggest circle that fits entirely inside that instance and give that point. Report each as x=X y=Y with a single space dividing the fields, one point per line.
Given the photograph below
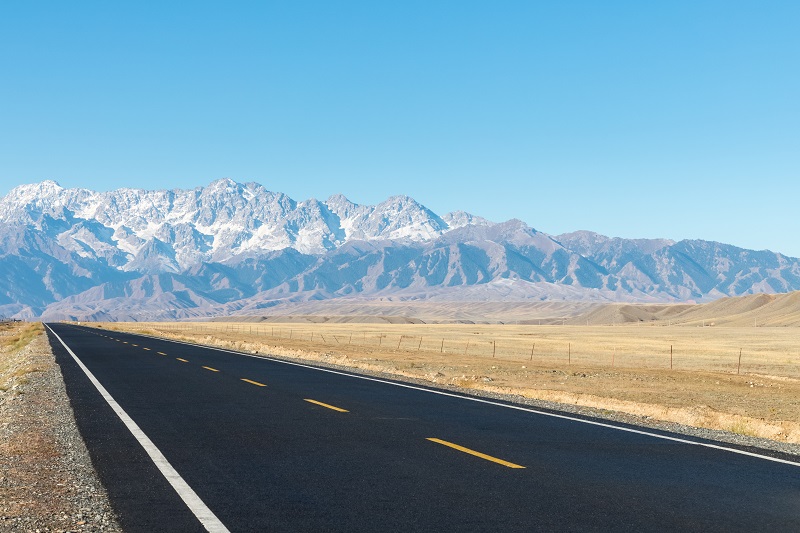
x=47 y=482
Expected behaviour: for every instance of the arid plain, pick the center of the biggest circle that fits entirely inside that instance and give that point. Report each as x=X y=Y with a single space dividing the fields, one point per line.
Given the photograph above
x=698 y=365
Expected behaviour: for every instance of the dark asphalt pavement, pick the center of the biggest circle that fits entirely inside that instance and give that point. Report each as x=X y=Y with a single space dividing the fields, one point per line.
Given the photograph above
x=264 y=458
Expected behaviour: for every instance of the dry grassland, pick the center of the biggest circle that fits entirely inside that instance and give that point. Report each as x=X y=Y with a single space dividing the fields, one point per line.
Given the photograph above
x=620 y=368
x=13 y=338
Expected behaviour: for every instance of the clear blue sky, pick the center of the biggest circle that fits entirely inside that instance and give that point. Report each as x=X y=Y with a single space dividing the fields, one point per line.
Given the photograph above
x=675 y=119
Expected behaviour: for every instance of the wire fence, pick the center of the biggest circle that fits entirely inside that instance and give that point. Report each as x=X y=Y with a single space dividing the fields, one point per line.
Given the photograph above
x=775 y=353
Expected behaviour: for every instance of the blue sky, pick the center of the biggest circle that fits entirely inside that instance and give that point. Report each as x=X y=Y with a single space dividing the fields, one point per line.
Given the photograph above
x=672 y=119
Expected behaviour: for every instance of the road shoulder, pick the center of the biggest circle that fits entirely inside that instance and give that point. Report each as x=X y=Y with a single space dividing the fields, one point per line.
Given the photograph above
x=48 y=481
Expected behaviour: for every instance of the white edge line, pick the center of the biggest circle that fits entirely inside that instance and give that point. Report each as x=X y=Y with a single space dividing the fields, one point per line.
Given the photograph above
x=489 y=402
x=189 y=496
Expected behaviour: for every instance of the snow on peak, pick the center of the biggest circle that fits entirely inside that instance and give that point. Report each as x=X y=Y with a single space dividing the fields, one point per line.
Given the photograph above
x=460 y=219
x=30 y=192
x=221 y=220
x=226 y=184
x=72 y=239
x=340 y=204
x=28 y=203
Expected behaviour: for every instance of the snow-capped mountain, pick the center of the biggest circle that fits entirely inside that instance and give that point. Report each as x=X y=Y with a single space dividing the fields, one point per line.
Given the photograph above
x=229 y=246
x=209 y=224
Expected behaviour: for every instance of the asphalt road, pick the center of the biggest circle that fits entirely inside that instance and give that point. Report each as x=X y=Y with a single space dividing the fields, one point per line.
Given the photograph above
x=247 y=439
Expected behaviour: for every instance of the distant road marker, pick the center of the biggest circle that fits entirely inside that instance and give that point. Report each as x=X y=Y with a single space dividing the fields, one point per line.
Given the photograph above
x=148 y=349
x=339 y=409
x=181 y=360
x=212 y=369
x=250 y=381
x=161 y=353
x=476 y=454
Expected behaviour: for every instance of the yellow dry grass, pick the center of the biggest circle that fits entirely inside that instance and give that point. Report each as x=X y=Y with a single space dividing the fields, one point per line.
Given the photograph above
x=764 y=351
x=622 y=369
x=16 y=335
x=13 y=338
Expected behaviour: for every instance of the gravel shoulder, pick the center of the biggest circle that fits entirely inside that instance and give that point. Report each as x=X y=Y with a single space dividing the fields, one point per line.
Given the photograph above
x=47 y=481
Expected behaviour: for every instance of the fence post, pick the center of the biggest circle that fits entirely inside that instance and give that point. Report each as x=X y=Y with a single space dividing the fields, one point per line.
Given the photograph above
x=419 y=347
x=739 y=366
x=569 y=353
x=441 y=350
x=532 y=348
x=466 y=349
x=670 y=357
x=494 y=348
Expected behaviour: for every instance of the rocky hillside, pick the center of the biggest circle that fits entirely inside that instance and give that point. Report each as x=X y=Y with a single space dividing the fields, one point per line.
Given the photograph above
x=135 y=254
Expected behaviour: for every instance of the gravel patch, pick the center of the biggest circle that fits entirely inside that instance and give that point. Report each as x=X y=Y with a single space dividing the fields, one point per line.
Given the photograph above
x=47 y=481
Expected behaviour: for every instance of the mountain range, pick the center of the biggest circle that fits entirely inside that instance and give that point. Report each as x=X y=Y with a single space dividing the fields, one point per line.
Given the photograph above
x=232 y=248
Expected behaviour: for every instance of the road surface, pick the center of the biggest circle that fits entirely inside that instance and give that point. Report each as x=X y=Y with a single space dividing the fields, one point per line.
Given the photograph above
x=190 y=438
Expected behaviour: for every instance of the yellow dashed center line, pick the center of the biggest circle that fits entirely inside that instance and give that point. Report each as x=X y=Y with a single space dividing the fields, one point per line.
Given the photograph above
x=148 y=349
x=326 y=405
x=212 y=369
x=161 y=353
x=135 y=345
x=476 y=454
x=253 y=382
x=181 y=360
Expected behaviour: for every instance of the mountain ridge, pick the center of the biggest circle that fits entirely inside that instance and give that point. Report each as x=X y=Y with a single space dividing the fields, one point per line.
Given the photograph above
x=189 y=253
